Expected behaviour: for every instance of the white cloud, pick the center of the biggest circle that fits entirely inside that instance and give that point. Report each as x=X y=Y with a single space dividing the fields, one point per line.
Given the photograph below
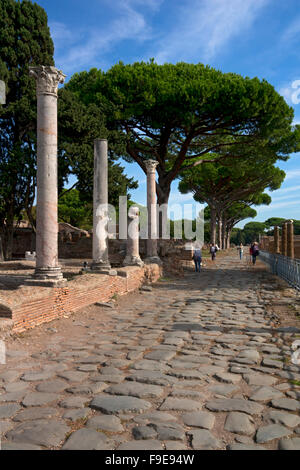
x=89 y=45
x=204 y=27
x=278 y=205
x=60 y=33
x=291 y=174
x=291 y=33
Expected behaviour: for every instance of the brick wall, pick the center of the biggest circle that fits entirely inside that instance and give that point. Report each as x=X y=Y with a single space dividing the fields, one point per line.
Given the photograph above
x=267 y=244
x=58 y=302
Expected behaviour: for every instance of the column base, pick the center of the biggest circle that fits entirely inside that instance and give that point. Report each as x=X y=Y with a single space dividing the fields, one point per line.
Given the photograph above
x=133 y=261
x=47 y=277
x=100 y=268
x=153 y=260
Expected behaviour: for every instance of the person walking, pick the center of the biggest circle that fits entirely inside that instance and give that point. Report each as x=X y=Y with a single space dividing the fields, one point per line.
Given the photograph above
x=254 y=251
x=213 y=250
x=240 y=250
x=197 y=257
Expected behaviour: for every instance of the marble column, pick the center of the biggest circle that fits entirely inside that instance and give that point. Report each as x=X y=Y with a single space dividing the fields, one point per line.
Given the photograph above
x=100 y=208
x=290 y=239
x=132 y=247
x=47 y=80
x=284 y=239
x=276 y=240
x=152 y=256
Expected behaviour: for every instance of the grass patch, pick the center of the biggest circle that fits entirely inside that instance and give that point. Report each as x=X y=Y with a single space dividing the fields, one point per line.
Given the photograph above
x=295 y=382
x=164 y=279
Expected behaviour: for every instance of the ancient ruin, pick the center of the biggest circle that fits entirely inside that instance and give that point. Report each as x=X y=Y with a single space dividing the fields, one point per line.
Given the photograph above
x=47 y=268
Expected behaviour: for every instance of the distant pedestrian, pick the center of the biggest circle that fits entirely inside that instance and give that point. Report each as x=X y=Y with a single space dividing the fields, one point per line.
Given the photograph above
x=240 y=250
x=213 y=250
x=197 y=257
x=254 y=251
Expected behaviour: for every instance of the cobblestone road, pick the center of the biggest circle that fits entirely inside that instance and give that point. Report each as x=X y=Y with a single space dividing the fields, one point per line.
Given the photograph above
x=197 y=363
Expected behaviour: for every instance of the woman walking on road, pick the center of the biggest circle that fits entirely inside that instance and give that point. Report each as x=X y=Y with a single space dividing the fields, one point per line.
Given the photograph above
x=197 y=257
x=254 y=251
x=240 y=250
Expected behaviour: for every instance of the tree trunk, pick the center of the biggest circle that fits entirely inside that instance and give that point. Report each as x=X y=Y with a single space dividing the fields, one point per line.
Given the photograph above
x=163 y=194
x=228 y=238
x=220 y=231
x=7 y=241
x=213 y=228
x=1 y=249
x=224 y=232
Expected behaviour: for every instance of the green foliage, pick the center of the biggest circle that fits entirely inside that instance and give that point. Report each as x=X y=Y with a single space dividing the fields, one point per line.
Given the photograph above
x=252 y=230
x=79 y=126
x=24 y=41
x=180 y=114
x=237 y=236
x=75 y=211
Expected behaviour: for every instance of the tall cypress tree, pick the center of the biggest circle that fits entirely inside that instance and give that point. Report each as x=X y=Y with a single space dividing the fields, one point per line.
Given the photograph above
x=24 y=41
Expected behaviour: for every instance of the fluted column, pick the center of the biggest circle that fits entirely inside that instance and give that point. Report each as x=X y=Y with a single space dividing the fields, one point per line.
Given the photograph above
x=284 y=239
x=132 y=247
x=100 y=207
x=290 y=239
x=276 y=240
x=152 y=255
x=47 y=80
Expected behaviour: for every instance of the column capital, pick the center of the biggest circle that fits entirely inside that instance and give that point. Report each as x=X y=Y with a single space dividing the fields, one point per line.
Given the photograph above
x=47 y=79
x=151 y=165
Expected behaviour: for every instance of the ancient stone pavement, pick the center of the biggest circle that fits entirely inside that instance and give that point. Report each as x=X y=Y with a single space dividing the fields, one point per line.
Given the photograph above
x=195 y=363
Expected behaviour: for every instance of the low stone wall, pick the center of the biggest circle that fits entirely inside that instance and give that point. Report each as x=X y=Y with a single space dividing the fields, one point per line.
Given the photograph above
x=267 y=244
x=52 y=303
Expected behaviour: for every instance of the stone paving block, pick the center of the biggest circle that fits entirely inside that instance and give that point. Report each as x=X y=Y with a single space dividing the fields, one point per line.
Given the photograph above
x=105 y=423
x=228 y=378
x=19 y=446
x=73 y=376
x=87 y=439
x=31 y=414
x=74 y=402
x=136 y=389
x=289 y=444
x=9 y=410
x=239 y=423
x=259 y=379
x=265 y=394
x=39 y=399
x=160 y=355
x=5 y=426
x=180 y=404
x=45 y=433
x=77 y=414
x=245 y=447
x=204 y=440
x=270 y=432
x=148 y=444
x=199 y=419
x=286 y=404
x=144 y=432
x=235 y=404
x=281 y=417
x=151 y=377
x=119 y=404
x=37 y=376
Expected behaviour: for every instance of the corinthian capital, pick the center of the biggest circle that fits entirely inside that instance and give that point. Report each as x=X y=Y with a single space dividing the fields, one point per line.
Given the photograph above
x=47 y=79
x=151 y=165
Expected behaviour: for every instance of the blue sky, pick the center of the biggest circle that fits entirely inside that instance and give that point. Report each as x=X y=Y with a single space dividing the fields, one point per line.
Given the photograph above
x=250 y=37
